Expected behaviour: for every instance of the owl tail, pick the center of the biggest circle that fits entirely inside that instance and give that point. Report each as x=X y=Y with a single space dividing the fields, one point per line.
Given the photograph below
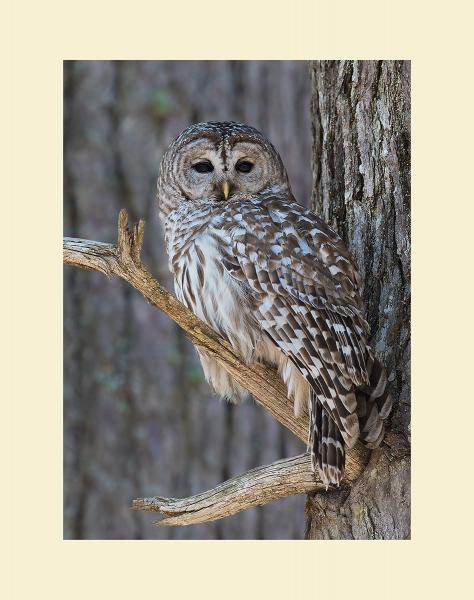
x=374 y=404
x=326 y=444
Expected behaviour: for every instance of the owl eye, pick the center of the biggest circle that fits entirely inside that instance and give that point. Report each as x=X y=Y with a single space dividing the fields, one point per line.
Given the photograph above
x=244 y=167
x=203 y=167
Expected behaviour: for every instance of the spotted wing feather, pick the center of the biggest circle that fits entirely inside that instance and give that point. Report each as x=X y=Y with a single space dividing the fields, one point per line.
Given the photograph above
x=307 y=295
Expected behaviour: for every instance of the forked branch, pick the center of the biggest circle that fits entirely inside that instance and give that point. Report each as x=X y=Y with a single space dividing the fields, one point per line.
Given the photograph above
x=258 y=486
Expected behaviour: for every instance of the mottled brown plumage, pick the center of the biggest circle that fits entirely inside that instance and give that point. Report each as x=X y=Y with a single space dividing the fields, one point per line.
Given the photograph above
x=273 y=279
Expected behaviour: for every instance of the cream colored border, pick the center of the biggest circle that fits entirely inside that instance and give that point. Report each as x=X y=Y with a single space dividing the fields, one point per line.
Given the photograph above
x=44 y=33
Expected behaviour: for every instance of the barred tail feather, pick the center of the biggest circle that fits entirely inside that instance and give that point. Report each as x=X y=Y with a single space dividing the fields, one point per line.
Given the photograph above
x=326 y=443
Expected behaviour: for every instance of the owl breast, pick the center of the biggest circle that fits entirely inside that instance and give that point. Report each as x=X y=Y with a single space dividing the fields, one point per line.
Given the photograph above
x=204 y=285
x=219 y=300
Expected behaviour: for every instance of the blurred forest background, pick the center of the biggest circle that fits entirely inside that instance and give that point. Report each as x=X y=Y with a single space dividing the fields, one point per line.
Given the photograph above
x=139 y=418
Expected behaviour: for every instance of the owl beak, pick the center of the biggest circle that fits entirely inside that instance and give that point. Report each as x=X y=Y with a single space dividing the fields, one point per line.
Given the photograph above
x=226 y=189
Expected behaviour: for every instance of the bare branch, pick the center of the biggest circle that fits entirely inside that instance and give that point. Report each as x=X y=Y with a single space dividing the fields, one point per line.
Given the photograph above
x=256 y=487
x=123 y=260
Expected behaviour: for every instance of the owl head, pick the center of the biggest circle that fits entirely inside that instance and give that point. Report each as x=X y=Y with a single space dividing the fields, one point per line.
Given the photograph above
x=217 y=162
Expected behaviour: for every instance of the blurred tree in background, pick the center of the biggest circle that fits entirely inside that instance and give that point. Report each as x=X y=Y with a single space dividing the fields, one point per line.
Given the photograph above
x=139 y=419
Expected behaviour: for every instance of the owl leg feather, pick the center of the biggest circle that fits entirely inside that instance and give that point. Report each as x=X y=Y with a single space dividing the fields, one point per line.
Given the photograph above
x=220 y=380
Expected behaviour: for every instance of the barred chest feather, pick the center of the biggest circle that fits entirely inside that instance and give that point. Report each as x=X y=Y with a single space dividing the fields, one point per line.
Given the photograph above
x=194 y=242
x=202 y=283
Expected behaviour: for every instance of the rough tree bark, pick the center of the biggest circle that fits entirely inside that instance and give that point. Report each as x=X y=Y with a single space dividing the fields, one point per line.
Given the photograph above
x=361 y=187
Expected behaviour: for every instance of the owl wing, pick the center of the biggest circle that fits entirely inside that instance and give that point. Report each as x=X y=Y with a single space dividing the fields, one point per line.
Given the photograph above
x=307 y=295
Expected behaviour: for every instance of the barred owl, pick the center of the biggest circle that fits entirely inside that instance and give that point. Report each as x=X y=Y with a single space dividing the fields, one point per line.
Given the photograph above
x=274 y=280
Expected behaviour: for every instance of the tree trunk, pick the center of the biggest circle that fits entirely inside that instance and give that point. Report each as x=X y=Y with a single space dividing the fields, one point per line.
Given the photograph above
x=361 y=187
